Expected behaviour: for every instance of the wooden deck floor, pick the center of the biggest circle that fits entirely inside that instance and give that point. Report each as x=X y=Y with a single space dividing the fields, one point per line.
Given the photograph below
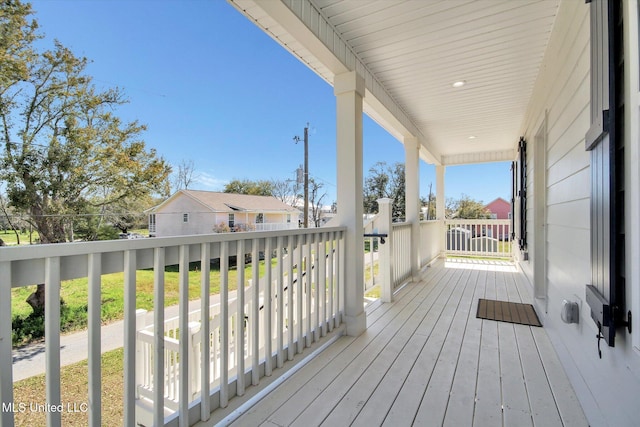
x=426 y=360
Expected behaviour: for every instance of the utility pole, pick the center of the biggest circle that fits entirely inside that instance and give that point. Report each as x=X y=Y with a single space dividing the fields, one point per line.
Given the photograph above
x=306 y=174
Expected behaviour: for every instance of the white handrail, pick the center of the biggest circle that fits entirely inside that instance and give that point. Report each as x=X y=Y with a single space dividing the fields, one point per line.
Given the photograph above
x=52 y=264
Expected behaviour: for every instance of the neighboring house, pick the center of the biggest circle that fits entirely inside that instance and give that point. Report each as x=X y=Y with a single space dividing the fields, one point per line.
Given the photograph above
x=204 y=212
x=499 y=209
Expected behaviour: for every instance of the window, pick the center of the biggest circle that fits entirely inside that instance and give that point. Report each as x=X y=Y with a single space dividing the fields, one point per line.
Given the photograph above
x=232 y=220
x=152 y=223
x=288 y=218
x=185 y=217
x=259 y=218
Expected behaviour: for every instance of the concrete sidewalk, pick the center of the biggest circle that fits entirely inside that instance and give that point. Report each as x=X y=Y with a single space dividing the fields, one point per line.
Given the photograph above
x=30 y=359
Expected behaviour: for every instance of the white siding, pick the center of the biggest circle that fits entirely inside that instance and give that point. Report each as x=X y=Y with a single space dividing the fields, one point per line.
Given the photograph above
x=169 y=218
x=605 y=387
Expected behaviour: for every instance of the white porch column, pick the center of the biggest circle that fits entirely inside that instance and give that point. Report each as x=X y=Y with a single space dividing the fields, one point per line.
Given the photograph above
x=412 y=199
x=349 y=90
x=440 y=204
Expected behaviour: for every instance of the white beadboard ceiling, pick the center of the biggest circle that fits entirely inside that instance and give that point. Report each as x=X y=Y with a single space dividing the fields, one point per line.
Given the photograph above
x=412 y=51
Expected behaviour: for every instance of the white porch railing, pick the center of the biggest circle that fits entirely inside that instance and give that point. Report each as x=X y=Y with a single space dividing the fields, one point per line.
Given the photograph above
x=309 y=315
x=478 y=237
x=401 y=235
x=274 y=226
x=485 y=238
x=372 y=256
x=394 y=256
x=430 y=244
x=293 y=329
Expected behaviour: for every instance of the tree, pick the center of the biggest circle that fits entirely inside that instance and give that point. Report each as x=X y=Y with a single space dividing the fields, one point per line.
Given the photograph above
x=286 y=190
x=128 y=213
x=397 y=189
x=246 y=186
x=184 y=176
x=375 y=186
x=466 y=208
x=385 y=181
x=429 y=205
x=7 y=221
x=315 y=200
x=64 y=150
x=16 y=42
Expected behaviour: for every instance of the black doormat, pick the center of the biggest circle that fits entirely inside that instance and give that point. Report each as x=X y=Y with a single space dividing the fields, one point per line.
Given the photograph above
x=503 y=311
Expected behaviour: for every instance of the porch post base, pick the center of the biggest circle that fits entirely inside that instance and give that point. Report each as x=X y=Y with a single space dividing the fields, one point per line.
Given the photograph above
x=356 y=325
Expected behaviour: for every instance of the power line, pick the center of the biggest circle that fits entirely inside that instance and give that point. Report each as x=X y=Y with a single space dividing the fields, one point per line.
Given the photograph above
x=323 y=180
x=21 y=216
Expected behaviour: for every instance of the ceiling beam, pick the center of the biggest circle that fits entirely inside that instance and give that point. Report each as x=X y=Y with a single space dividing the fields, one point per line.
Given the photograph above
x=479 y=157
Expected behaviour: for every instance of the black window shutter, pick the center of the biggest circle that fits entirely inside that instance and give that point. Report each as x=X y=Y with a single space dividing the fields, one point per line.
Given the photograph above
x=605 y=141
x=513 y=199
x=522 y=192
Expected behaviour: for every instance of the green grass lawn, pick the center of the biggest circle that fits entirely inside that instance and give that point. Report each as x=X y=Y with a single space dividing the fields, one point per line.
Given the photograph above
x=75 y=296
x=10 y=238
x=373 y=293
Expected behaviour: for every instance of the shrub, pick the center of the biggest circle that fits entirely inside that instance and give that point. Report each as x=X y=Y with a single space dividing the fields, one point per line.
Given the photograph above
x=25 y=329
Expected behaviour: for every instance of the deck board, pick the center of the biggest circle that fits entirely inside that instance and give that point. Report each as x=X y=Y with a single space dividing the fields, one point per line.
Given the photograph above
x=488 y=409
x=377 y=406
x=459 y=411
x=514 y=393
x=543 y=407
x=373 y=340
x=425 y=359
x=347 y=401
x=352 y=403
x=434 y=403
x=410 y=396
x=567 y=403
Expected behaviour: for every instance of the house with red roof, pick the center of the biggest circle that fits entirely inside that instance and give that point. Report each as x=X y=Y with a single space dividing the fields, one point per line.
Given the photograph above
x=499 y=209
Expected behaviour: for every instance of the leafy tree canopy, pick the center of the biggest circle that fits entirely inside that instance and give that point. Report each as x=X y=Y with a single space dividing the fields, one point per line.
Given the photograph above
x=385 y=181
x=466 y=208
x=64 y=151
x=246 y=186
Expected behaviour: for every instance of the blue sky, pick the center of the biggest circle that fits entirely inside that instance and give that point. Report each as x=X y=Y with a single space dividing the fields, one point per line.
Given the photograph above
x=213 y=88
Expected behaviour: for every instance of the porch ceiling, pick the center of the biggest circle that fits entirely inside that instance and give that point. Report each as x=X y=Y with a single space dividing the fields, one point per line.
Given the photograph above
x=411 y=52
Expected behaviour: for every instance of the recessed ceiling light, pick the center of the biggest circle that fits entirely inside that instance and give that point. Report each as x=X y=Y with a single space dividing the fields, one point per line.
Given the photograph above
x=459 y=83
x=472 y=137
